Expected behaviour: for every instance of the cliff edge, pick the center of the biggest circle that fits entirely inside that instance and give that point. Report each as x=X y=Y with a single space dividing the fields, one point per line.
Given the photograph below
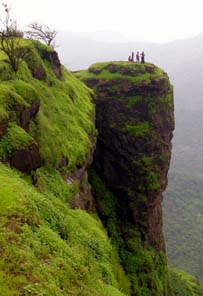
x=135 y=121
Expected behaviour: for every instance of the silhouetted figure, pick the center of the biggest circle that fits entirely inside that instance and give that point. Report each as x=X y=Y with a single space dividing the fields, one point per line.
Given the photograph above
x=142 y=57
x=129 y=59
x=132 y=59
x=138 y=56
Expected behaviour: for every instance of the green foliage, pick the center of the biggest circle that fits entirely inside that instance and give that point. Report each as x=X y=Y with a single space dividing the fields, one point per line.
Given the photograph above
x=167 y=101
x=15 y=139
x=64 y=123
x=184 y=284
x=138 y=73
x=50 y=181
x=140 y=129
x=148 y=176
x=132 y=101
x=46 y=248
x=125 y=68
x=25 y=90
x=135 y=73
x=5 y=71
x=52 y=250
x=14 y=49
x=8 y=100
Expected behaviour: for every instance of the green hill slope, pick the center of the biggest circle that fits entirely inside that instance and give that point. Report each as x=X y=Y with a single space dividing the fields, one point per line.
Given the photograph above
x=47 y=132
x=184 y=284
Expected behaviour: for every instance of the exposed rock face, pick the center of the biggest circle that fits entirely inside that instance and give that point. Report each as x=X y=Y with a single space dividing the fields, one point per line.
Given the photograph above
x=53 y=58
x=84 y=199
x=26 y=160
x=3 y=128
x=134 y=117
x=39 y=72
x=27 y=115
x=28 y=157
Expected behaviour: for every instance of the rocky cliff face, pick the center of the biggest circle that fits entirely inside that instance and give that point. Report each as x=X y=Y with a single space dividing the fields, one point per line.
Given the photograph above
x=134 y=118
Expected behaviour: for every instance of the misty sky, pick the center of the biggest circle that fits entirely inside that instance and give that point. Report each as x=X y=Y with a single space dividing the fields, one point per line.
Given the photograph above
x=147 y=20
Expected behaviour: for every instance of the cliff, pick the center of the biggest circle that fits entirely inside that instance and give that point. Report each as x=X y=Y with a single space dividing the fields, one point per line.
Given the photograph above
x=134 y=118
x=54 y=234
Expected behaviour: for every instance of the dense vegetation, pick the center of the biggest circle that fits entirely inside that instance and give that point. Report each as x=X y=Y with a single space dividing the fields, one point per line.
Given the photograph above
x=184 y=284
x=47 y=248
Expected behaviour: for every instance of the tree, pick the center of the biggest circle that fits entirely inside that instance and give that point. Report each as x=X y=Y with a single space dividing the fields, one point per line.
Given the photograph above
x=9 y=26
x=42 y=33
x=11 y=41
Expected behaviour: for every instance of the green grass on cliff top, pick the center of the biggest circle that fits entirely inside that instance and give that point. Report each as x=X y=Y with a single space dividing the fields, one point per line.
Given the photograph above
x=139 y=72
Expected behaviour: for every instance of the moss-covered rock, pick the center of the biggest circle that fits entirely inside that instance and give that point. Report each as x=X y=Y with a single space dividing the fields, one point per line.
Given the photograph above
x=134 y=117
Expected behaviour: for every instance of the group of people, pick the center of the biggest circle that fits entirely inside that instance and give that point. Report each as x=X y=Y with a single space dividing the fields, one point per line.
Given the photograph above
x=140 y=57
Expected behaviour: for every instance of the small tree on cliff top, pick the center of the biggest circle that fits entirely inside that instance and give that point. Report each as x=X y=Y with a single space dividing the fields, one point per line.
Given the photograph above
x=11 y=41
x=42 y=33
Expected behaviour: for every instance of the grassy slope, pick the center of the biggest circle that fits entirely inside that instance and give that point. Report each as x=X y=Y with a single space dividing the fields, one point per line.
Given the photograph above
x=184 y=284
x=45 y=247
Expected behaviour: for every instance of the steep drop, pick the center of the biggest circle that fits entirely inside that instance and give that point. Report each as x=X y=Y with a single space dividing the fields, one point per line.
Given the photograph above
x=135 y=121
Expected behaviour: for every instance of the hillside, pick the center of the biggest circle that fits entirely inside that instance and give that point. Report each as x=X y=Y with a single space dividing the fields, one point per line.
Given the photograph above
x=47 y=137
x=184 y=284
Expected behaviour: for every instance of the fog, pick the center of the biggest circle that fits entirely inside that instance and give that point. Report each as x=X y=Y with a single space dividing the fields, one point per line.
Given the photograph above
x=154 y=21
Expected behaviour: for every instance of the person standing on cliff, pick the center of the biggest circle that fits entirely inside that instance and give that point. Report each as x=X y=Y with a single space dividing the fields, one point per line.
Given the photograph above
x=142 y=57
x=138 y=56
x=132 y=56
